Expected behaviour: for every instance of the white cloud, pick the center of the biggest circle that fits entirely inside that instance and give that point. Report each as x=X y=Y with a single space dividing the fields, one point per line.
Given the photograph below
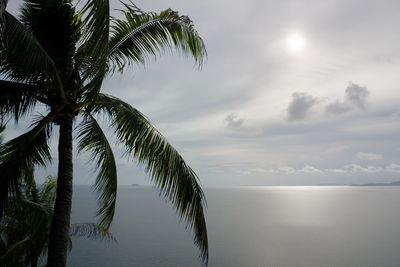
x=261 y=170
x=369 y=156
x=393 y=167
x=305 y=169
x=310 y=169
x=354 y=168
x=336 y=170
x=287 y=170
x=349 y=168
x=299 y=106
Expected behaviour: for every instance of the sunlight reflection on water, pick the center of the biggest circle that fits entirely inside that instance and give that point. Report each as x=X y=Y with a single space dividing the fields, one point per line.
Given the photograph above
x=253 y=226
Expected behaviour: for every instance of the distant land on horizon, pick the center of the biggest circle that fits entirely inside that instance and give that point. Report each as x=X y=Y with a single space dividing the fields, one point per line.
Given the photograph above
x=397 y=183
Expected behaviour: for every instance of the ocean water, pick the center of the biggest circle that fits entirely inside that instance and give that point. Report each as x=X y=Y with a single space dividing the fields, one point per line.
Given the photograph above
x=249 y=226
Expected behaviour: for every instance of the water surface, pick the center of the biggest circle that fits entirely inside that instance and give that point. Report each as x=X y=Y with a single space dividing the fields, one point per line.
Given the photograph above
x=250 y=226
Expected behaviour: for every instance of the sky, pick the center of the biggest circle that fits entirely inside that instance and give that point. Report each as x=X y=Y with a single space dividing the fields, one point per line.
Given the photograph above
x=292 y=93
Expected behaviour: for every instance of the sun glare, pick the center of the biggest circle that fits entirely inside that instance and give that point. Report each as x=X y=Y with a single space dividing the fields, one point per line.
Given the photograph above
x=295 y=43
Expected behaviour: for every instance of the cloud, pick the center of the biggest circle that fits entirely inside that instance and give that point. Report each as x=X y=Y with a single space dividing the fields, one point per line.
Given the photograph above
x=290 y=170
x=354 y=168
x=369 y=156
x=244 y=172
x=393 y=168
x=287 y=170
x=336 y=170
x=356 y=97
x=234 y=121
x=261 y=170
x=338 y=108
x=299 y=106
x=310 y=169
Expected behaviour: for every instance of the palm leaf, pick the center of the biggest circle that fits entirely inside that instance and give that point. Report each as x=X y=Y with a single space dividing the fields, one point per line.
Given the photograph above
x=94 y=22
x=93 y=139
x=17 y=99
x=47 y=191
x=29 y=218
x=59 y=37
x=23 y=58
x=20 y=245
x=142 y=35
x=91 y=230
x=26 y=64
x=2 y=128
x=19 y=155
x=173 y=177
x=91 y=56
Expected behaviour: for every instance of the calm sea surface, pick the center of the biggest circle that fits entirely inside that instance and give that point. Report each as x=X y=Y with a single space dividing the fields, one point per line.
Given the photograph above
x=250 y=226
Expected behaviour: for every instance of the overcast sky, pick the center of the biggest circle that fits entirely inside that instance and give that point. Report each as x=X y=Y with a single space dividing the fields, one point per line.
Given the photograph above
x=265 y=111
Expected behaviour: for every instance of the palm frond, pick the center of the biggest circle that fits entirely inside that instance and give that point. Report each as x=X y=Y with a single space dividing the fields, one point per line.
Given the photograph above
x=17 y=99
x=95 y=27
x=47 y=191
x=173 y=177
x=28 y=218
x=59 y=37
x=23 y=58
x=18 y=155
x=143 y=34
x=91 y=56
x=93 y=139
x=91 y=230
x=2 y=128
x=20 y=245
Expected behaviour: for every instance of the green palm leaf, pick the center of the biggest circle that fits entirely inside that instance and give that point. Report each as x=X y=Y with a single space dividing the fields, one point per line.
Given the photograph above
x=17 y=246
x=175 y=179
x=91 y=230
x=142 y=35
x=95 y=27
x=23 y=58
x=17 y=99
x=19 y=155
x=93 y=139
x=91 y=56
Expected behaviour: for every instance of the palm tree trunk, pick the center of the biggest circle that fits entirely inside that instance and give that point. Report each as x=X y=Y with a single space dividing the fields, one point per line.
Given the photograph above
x=33 y=260
x=58 y=242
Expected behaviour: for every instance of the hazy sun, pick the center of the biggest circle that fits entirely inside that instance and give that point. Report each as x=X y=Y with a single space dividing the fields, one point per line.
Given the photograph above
x=295 y=43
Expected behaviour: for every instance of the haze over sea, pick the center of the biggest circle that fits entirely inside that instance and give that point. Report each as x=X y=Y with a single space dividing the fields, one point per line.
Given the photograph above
x=249 y=226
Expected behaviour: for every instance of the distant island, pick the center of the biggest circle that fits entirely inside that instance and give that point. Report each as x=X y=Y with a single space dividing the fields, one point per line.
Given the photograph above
x=397 y=183
x=135 y=185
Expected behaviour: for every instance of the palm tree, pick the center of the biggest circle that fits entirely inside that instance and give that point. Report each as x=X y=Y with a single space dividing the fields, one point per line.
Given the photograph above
x=58 y=57
x=3 y=6
x=25 y=228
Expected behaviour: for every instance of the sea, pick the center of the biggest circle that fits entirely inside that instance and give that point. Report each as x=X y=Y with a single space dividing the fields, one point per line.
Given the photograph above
x=248 y=227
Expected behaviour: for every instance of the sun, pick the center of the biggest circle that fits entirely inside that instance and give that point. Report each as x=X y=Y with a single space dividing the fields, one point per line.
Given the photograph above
x=295 y=43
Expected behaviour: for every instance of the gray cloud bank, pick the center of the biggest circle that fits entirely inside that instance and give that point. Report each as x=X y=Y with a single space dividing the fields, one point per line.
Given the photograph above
x=299 y=106
x=356 y=98
x=233 y=120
